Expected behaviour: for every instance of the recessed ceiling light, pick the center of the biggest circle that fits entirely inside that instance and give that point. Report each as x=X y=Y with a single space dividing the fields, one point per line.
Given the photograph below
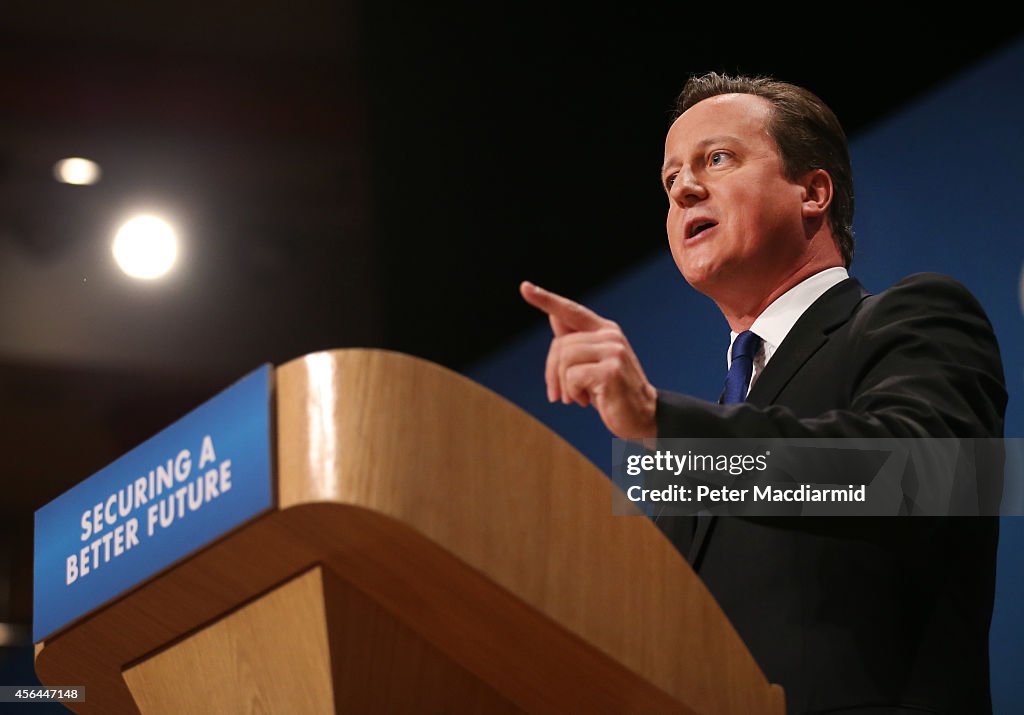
x=76 y=170
x=145 y=247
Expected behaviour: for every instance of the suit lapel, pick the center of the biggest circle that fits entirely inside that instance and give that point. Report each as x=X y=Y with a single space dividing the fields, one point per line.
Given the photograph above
x=807 y=336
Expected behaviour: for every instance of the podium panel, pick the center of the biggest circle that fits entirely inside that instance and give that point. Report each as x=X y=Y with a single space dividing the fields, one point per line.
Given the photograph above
x=432 y=548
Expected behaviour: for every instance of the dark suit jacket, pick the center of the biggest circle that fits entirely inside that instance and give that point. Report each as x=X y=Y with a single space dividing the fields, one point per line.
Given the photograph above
x=851 y=612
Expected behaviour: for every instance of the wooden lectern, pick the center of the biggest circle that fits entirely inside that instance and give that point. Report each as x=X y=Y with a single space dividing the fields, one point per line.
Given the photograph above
x=433 y=549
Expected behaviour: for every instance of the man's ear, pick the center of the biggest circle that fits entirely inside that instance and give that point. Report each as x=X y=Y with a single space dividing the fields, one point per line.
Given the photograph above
x=816 y=192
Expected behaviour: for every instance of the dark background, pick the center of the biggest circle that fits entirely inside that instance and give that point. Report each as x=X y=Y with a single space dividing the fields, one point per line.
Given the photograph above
x=349 y=174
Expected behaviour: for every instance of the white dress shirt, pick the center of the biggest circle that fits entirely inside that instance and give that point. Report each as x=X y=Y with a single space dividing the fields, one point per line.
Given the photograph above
x=774 y=324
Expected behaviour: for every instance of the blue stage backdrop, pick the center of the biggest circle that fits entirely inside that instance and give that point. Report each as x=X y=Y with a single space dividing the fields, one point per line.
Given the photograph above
x=939 y=188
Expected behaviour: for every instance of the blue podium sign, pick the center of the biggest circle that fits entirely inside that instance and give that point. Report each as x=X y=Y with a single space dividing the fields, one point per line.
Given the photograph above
x=204 y=475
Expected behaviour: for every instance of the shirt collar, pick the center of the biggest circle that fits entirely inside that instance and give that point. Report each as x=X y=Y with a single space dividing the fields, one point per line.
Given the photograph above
x=774 y=324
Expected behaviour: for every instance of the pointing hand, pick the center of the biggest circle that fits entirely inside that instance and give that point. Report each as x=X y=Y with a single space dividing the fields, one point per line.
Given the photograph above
x=590 y=362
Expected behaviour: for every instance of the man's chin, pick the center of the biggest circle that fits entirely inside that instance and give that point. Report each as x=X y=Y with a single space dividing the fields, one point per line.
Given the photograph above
x=702 y=280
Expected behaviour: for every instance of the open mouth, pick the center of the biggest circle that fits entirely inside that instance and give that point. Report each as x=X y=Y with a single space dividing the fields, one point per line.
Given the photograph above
x=699 y=228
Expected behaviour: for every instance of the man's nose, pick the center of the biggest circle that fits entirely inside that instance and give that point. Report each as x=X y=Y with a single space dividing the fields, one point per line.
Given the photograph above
x=687 y=189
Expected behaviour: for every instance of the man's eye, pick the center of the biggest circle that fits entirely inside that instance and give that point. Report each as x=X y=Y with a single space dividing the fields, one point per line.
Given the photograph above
x=717 y=158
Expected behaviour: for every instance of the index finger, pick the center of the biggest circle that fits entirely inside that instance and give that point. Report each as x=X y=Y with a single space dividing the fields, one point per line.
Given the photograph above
x=569 y=313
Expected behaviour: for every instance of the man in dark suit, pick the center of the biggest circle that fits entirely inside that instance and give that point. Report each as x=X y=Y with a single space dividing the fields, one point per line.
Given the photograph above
x=870 y=615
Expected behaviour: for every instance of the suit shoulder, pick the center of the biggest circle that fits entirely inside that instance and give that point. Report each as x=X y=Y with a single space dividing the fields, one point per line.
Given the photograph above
x=930 y=281
x=927 y=308
x=929 y=292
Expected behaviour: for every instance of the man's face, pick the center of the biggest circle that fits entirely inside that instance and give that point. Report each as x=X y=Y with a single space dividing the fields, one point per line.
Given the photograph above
x=734 y=220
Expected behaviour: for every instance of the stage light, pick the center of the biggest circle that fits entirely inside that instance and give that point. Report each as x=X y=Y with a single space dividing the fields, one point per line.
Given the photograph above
x=76 y=170
x=145 y=247
x=14 y=635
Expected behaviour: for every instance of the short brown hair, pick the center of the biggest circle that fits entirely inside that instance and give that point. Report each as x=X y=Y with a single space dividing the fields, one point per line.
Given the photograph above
x=806 y=131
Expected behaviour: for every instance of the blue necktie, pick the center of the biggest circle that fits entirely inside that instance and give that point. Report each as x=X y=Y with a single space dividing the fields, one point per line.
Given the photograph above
x=744 y=348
